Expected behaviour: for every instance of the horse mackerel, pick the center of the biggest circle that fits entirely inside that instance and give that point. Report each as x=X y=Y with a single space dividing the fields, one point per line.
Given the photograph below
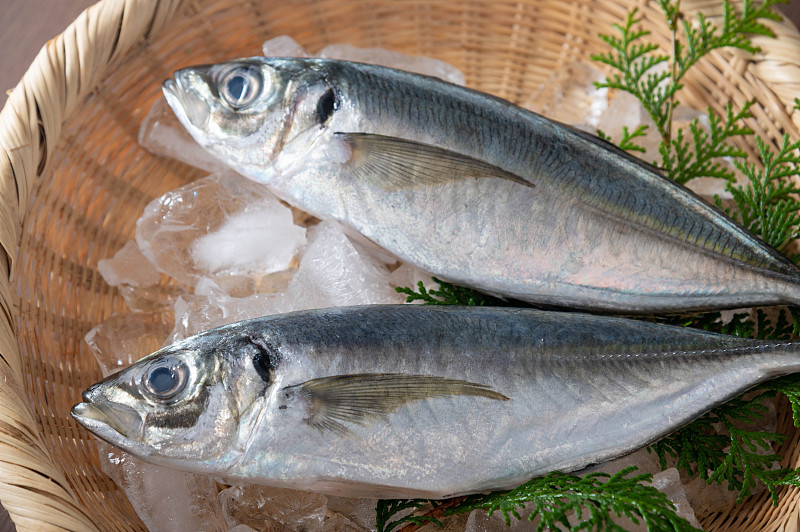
x=397 y=401
x=475 y=190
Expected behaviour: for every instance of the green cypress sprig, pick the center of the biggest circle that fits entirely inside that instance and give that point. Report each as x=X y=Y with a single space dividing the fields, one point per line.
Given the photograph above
x=446 y=294
x=740 y=459
x=385 y=509
x=590 y=501
x=790 y=387
x=766 y=204
x=636 y=60
x=638 y=63
x=701 y=154
x=628 y=140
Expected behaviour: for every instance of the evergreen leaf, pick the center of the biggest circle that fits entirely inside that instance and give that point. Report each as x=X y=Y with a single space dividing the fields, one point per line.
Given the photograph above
x=385 y=509
x=446 y=294
x=590 y=500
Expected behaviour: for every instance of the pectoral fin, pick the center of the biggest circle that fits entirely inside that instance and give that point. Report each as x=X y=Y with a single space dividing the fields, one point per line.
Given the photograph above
x=358 y=399
x=396 y=164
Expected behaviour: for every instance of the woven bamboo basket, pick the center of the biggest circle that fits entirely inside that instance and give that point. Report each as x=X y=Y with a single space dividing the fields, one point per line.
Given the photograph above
x=73 y=182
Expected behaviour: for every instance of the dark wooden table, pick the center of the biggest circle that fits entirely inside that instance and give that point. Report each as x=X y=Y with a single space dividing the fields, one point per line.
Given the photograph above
x=23 y=31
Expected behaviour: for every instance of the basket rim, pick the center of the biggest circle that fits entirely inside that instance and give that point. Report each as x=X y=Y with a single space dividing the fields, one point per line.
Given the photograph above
x=65 y=71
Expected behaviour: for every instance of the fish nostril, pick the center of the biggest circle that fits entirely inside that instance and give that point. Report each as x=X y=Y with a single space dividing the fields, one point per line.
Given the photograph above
x=89 y=393
x=183 y=78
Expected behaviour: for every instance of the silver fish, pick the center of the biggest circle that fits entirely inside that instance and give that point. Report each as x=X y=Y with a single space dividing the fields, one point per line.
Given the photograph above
x=474 y=189
x=419 y=401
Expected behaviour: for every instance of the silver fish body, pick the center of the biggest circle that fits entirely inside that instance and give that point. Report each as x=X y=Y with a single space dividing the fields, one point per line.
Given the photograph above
x=419 y=401
x=474 y=189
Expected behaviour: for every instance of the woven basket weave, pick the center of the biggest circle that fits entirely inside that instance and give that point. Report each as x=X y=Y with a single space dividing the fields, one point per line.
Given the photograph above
x=73 y=181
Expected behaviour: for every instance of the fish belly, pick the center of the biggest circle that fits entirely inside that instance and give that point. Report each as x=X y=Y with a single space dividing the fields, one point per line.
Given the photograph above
x=534 y=244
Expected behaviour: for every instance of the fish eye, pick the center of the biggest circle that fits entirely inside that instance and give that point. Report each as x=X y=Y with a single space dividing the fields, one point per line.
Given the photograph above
x=241 y=86
x=164 y=381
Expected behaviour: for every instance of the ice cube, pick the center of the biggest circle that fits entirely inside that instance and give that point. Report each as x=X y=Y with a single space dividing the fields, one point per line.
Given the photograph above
x=155 y=298
x=128 y=266
x=570 y=96
x=379 y=56
x=242 y=528
x=165 y=499
x=283 y=46
x=669 y=483
x=194 y=314
x=481 y=521
x=408 y=276
x=162 y=134
x=233 y=286
x=262 y=238
x=625 y=110
x=176 y=231
x=278 y=509
x=245 y=285
x=359 y=511
x=336 y=522
x=277 y=282
x=645 y=462
x=707 y=499
x=123 y=339
x=333 y=273
x=137 y=280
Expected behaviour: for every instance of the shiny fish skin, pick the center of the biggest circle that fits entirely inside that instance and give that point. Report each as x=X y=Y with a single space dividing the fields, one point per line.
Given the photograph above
x=484 y=398
x=476 y=190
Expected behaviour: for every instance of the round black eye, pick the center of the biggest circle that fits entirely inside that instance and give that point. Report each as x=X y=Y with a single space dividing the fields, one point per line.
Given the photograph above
x=241 y=86
x=165 y=381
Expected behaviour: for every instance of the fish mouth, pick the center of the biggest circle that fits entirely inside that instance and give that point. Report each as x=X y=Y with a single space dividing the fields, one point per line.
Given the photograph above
x=186 y=103
x=109 y=421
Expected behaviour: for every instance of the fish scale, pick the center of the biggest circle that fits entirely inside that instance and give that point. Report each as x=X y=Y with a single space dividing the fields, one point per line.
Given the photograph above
x=357 y=401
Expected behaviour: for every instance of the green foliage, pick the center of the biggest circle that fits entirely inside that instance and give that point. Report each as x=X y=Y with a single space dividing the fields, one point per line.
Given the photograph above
x=593 y=499
x=700 y=155
x=766 y=204
x=627 y=141
x=741 y=324
x=446 y=294
x=638 y=62
x=654 y=78
x=385 y=509
x=790 y=387
x=740 y=459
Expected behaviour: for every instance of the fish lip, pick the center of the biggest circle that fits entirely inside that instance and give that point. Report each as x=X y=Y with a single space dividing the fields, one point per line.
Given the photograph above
x=106 y=420
x=173 y=96
x=170 y=88
x=191 y=110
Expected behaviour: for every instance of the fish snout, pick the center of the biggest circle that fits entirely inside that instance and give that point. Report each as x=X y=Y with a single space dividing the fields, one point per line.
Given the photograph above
x=188 y=92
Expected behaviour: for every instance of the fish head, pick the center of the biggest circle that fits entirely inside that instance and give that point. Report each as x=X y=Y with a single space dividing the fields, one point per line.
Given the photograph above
x=180 y=406
x=247 y=110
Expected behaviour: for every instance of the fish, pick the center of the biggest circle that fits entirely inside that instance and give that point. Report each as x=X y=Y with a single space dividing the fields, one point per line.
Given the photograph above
x=406 y=401
x=475 y=190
